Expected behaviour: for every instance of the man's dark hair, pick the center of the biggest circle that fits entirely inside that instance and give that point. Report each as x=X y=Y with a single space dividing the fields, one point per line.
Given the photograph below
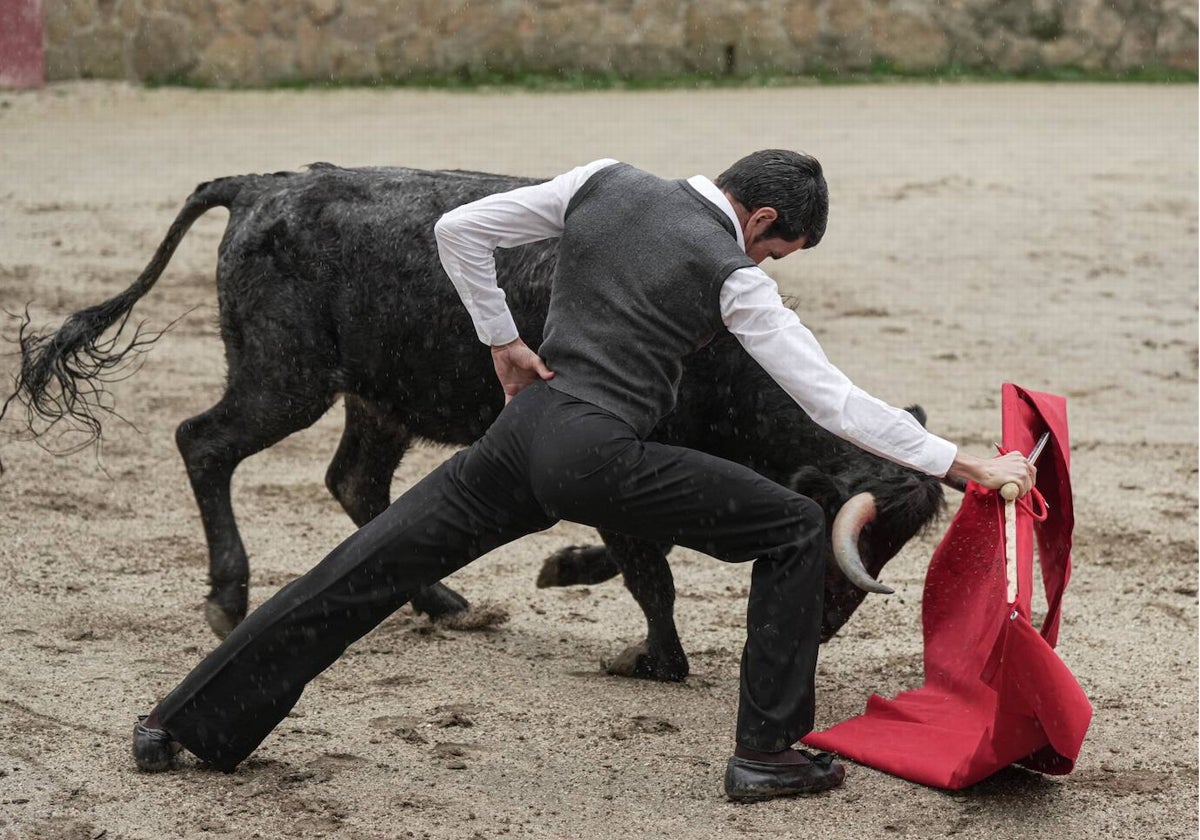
x=790 y=182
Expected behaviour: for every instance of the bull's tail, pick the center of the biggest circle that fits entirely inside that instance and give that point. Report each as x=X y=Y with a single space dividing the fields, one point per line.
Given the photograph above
x=63 y=374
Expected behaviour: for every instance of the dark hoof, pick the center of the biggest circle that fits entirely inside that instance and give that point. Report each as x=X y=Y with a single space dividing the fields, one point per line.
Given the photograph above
x=637 y=662
x=153 y=749
x=577 y=565
x=226 y=606
x=439 y=600
x=754 y=781
x=550 y=572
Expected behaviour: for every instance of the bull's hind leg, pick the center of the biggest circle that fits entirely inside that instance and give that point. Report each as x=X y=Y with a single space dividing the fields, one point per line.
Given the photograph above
x=360 y=478
x=648 y=578
x=246 y=420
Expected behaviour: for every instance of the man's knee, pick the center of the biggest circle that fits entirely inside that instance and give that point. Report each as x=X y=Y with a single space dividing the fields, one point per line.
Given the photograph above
x=808 y=520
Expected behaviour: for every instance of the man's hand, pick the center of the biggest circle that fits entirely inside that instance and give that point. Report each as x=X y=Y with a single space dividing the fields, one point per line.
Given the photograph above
x=994 y=473
x=518 y=366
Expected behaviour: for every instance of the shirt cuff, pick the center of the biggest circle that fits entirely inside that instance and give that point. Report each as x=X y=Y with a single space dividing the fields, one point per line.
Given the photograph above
x=499 y=329
x=937 y=456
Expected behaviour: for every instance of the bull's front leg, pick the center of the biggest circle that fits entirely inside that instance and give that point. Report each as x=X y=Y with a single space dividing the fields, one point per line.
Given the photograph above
x=648 y=578
x=577 y=565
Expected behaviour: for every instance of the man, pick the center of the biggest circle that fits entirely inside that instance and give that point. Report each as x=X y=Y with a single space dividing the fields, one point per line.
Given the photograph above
x=648 y=270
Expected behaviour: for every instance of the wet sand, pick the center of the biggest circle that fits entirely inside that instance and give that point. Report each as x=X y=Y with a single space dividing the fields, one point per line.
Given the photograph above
x=1039 y=234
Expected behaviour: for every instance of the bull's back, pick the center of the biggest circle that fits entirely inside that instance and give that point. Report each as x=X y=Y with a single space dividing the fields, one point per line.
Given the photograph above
x=346 y=258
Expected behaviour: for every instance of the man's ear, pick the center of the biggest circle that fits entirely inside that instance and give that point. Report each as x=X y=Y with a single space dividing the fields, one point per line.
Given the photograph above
x=761 y=220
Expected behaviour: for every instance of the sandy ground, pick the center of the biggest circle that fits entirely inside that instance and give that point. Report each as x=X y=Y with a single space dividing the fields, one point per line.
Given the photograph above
x=1040 y=234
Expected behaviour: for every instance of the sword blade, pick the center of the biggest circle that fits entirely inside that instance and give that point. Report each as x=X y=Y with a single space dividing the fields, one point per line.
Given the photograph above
x=1037 y=450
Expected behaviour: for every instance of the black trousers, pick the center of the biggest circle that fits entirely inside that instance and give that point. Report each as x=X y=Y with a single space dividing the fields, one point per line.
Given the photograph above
x=547 y=457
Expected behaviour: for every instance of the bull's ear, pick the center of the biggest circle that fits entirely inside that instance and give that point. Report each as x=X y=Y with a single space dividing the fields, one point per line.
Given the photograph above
x=822 y=488
x=918 y=412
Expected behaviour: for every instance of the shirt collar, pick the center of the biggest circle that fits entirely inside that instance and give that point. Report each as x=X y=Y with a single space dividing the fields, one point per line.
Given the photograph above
x=709 y=190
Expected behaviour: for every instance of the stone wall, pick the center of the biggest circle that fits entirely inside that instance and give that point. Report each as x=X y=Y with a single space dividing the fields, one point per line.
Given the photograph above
x=253 y=42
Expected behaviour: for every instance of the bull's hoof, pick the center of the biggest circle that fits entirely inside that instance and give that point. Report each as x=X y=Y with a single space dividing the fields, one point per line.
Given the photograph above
x=438 y=601
x=226 y=607
x=221 y=622
x=637 y=662
x=475 y=617
x=577 y=565
x=548 y=575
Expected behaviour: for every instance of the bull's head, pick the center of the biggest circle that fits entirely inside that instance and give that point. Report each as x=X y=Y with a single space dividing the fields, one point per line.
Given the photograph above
x=872 y=508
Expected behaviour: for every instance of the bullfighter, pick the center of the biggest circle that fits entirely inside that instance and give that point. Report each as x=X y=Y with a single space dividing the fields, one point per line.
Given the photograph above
x=649 y=269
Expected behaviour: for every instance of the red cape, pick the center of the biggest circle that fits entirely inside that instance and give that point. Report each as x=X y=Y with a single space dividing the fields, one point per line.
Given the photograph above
x=995 y=691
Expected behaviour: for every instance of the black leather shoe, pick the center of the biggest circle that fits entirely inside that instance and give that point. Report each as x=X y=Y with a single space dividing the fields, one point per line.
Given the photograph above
x=747 y=780
x=153 y=749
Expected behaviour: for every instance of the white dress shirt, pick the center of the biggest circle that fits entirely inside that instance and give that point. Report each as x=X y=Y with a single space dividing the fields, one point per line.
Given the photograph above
x=750 y=307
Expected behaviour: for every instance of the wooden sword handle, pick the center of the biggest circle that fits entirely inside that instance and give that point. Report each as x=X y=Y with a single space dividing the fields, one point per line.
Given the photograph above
x=1010 y=543
x=1009 y=493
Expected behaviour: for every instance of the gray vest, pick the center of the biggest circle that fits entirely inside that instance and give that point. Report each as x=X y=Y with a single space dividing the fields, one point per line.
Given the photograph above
x=640 y=269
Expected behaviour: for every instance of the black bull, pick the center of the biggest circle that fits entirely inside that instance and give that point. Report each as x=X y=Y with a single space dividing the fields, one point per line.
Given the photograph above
x=329 y=284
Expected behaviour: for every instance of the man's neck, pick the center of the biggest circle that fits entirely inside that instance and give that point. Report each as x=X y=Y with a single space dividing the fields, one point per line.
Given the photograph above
x=722 y=202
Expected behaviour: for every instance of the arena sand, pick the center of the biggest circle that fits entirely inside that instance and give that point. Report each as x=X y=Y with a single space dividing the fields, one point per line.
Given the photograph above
x=1040 y=234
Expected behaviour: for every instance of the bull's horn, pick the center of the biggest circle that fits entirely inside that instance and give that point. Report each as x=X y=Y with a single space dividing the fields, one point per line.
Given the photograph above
x=856 y=514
